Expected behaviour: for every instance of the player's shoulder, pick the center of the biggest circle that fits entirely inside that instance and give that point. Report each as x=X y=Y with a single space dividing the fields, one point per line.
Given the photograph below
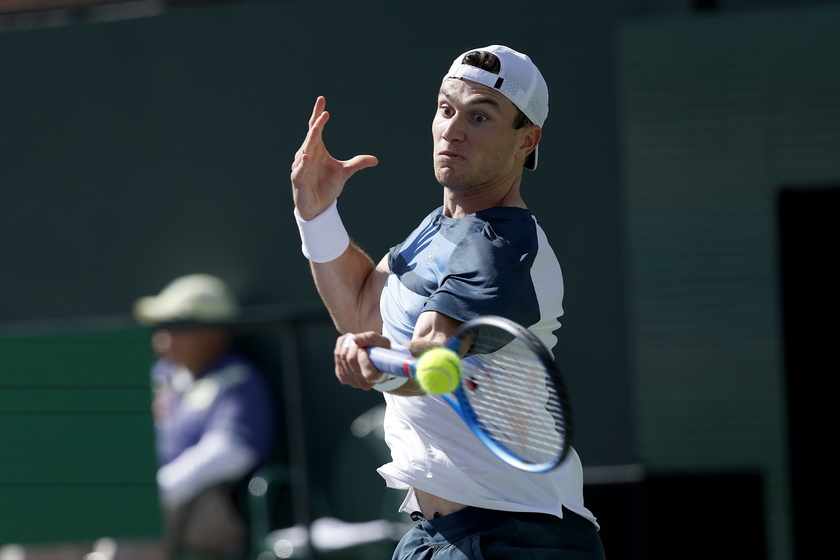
x=500 y=228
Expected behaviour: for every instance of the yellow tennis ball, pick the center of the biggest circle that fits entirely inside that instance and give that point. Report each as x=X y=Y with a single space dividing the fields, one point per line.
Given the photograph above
x=438 y=371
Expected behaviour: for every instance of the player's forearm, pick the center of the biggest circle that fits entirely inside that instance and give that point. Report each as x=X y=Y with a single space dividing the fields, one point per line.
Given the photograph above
x=346 y=278
x=347 y=287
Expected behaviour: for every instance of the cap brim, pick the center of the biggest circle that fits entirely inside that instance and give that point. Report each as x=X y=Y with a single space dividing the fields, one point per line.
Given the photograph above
x=150 y=311
x=144 y=310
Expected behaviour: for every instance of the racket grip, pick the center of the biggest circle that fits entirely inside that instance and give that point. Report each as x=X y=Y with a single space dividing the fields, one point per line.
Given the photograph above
x=392 y=361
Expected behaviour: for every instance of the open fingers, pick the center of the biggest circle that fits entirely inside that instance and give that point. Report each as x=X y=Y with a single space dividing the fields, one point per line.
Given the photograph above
x=320 y=104
x=314 y=140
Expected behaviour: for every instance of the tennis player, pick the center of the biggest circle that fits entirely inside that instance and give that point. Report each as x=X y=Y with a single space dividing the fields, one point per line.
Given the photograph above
x=482 y=252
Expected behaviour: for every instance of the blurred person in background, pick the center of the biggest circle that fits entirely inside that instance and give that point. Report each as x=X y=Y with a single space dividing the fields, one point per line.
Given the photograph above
x=214 y=422
x=213 y=413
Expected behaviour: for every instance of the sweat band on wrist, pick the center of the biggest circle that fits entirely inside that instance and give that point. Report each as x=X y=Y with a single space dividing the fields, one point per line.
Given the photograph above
x=323 y=238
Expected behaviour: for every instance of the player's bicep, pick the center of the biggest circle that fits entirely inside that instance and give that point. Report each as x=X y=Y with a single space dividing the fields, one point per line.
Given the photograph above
x=380 y=275
x=371 y=294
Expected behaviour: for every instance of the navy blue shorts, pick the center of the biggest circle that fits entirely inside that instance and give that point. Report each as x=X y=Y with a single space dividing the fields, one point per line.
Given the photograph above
x=480 y=534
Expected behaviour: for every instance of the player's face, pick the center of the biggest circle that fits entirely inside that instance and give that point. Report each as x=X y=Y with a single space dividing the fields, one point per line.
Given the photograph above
x=475 y=143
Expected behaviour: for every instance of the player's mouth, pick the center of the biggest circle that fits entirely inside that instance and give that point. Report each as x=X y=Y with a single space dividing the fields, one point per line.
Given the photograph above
x=448 y=155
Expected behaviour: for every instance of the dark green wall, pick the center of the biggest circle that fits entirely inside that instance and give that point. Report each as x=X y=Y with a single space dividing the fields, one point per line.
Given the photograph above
x=77 y=458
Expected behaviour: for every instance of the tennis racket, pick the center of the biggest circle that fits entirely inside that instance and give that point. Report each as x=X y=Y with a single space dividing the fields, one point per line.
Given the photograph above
x=510 y=394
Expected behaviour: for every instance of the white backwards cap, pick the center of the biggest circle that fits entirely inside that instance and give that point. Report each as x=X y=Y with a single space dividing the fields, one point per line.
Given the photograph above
x=518 y=79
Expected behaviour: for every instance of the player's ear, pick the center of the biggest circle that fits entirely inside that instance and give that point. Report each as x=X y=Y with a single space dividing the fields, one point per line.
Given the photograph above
x=530 y=138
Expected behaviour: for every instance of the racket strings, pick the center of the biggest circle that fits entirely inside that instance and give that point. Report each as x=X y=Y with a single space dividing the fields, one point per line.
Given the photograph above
x=513 y=398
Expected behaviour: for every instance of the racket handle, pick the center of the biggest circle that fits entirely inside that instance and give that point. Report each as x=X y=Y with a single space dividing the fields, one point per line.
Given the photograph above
x=392 y=361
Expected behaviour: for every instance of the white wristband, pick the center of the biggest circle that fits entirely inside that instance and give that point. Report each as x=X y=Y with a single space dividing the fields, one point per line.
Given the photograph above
x=323 y=238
